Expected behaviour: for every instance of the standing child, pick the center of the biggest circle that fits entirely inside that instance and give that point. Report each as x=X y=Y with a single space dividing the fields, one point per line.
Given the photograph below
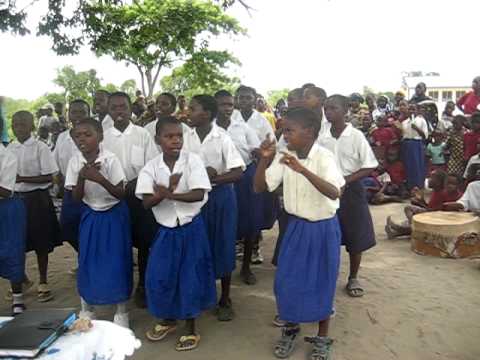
x=447 y=116
x=134 y=147
x=356 y=160
x=165 y=105
x=100 y=106
x=36 y=167
x=383 y=136
x=224 y=167
x=12 y=230
x=96 y=178
x=471 y=138
x=308 y=264
x=314 y=99
x=454 y=146
x=180 y=279
x=436 y=152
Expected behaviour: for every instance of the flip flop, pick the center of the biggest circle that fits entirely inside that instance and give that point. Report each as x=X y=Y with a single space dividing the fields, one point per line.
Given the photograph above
x=159 y=331
x=354 y=289
x=188 y=342
x=43 y=293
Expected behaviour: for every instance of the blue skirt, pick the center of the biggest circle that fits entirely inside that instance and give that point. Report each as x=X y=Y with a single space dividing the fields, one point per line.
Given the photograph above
x=306 y=277
x=70 y=218
x=220 y=218
x=105 y=268
x=413 y=156
x=180 y=282
x=13 y=229
x=250 y=205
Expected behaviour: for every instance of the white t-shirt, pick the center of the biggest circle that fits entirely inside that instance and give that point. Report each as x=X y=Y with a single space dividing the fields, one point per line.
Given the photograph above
x=34 y=159
x=95 y=195
x=244 y=138
x=107 y=122
x=134 y=147
x=471 y=198
x=352 y=151
x=409 y=133
x=258 y=123
x=65 y=149
x=8 y=169
x=217 y=149
x=300 y=197
x=171 y=213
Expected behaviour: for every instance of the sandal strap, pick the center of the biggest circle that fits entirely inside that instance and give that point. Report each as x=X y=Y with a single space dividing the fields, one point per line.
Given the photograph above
x=321 y=346
x=186 y=338
x=160 y=327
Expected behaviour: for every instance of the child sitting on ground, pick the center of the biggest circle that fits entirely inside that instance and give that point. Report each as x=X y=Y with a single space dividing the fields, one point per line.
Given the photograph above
x=378 y=187
x=396 y=171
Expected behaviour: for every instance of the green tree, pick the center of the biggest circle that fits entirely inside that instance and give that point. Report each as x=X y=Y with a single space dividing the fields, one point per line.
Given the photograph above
x=76 y=85
x=129 y=87
x=202 y=74
x=274 y=95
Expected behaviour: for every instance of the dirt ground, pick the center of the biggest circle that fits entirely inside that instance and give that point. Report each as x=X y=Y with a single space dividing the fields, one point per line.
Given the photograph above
x=415 y=308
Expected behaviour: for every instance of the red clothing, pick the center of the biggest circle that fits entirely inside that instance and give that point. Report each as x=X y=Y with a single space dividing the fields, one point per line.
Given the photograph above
x=470 y=141
x=469 y=102
x=383 y=136
x=441 y=197
x=396 y=171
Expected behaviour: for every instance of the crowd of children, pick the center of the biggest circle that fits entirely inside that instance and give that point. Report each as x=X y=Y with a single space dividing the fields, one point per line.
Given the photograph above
x=186 y=186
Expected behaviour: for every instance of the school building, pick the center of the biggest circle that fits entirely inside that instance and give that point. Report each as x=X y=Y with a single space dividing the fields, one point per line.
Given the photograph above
x=439 y=88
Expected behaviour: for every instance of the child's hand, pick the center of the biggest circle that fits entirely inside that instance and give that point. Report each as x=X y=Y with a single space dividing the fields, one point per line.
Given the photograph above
x=292 y=162
x=212 y=173
x=267 y=148
x=174 y=180
x=92 y=172
x=161 y=192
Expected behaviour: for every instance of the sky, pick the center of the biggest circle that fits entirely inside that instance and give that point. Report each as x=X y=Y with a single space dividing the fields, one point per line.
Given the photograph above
x=340 y=45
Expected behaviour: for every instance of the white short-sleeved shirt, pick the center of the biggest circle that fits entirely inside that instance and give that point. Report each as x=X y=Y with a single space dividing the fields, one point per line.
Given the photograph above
x=95 y=195
x=8 y=169
x=409 y=133
x=171 y=213
x=471 y=198
x=151 y=127
x=475 y=159
x=244 y=138
x=134 y=147
x=34 y=159
x=258 y=123
x=352 y=151
x=65 y=149
x=217 y=149
x=300 y=197
x=107 y=123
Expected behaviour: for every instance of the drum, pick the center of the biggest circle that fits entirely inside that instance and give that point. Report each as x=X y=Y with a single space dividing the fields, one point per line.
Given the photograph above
x=446 y=234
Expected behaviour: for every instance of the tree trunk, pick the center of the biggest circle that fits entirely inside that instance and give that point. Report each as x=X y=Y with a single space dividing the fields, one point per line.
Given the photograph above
x=142 y=77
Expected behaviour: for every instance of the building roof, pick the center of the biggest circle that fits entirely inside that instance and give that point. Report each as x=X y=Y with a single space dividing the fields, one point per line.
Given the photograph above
x=438 y=82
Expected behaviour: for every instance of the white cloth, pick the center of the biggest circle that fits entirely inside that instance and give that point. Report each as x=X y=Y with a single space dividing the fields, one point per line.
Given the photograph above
x=325 y=127
x=409 y=133
x=65 y=149
x=217 y=149
x=105 y=340
x=258 y=123
x=95 y=195
x=384 y=178
x=244 y=138
x=170 y=213
x=471 y=198
x=351 y=149
x=8 y=169
x=34 y=159
x=475 y=159
x=134 y=147
x=300 y=197
x=151 y=127
x=107 y=122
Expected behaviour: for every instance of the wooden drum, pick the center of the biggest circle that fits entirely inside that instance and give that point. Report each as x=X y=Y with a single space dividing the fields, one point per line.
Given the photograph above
x=446 y=234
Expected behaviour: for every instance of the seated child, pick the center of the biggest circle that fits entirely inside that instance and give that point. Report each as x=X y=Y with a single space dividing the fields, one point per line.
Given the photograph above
x=396 y=170
x=446 y=188
x=378 y=187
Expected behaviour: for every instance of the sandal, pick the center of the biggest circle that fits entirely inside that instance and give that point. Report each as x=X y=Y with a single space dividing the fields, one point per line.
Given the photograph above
x=188 y=342
x=225 y=312
x=286 y=344
x=354 y=289
x=26 y=285
x=159 y=331
x=43 y=293
x=322 y=347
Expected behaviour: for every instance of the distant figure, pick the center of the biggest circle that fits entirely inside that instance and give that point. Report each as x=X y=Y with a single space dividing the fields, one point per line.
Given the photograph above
x=182 y=112
x=48 y=119
x=469 y=102
x=262 y=108
x=420 y=94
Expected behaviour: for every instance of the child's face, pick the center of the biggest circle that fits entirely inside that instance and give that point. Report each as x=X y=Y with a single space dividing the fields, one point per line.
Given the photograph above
x=437 y=137
x=225 y=107
x=77 y=112
x=182 y=102
x=163 y=106
x=310 y=100
x=87 y=138
x=246 y=100
x=449 y=109
x=261 y=105
x=452 y=184
x=354 y=104
x=435 y=182
x=22 y=127
x=366 y=120
x=119 y=109
x=296 y=136
x=334 y=111
x=43 y=132
x=382 y=122
x=100 y=103
x=170 y=139
x=392 y=155
x=198 y=115
x=381 y=103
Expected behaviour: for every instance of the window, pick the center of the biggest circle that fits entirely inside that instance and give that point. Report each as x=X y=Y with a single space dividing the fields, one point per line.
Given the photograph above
x=447 y=96
x=459 y=94
x=433 y=95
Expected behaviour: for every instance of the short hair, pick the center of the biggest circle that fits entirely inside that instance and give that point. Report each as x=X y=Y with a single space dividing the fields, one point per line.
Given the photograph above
x=222 y=93
x=171 y=97
x=103 y=91
x=305 y=117
x=421 y=84
x=318 y=92
x=475 y=117
x=461 y=118
x=340 y=99
x=181 y=96
x=357 y=97
x=458 y=177
x=295 y=93
x=208 y=104
x=23 y=114
x=122 y=95
x=79 y=101
x=165 y=120
x=95 y=124
x=441 y=174
x=308 y=86
x=245 y=88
